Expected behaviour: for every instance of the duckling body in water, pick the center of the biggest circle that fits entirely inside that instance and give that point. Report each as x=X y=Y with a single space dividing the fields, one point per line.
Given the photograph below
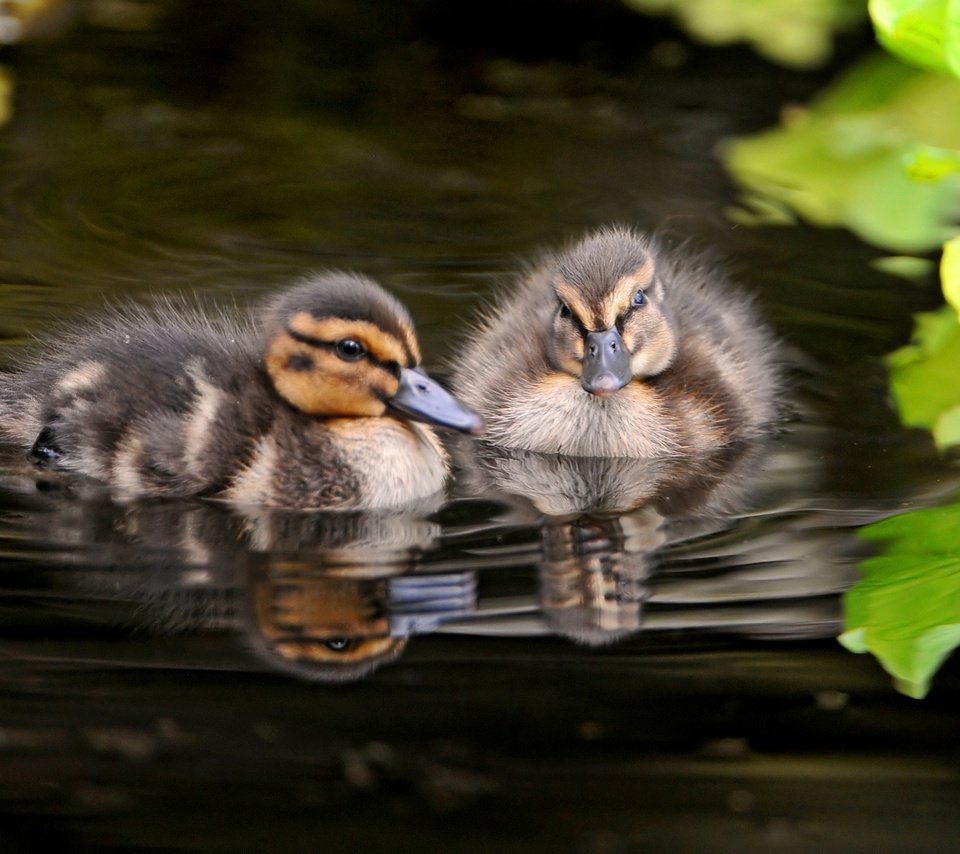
x=618 y=348
x=309 y=404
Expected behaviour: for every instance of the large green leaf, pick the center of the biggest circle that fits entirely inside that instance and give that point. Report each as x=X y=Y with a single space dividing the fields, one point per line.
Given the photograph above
x=876 y=153
x=906 y=610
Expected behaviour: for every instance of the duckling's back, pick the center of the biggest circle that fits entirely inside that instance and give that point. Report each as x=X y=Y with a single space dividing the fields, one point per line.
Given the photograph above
x=727 y=353
x=309 y=404
x=144 y=398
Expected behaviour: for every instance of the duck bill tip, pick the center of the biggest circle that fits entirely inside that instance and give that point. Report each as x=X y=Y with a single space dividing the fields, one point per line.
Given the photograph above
x=604 y=384
x=478 y=427
x=606 y=363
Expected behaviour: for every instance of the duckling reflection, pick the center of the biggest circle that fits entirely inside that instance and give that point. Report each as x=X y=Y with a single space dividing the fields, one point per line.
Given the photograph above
x=339 y=625
x=331 y=597
x=592 y=578
x=603 y=520
x=323 y=597
x=555 y=485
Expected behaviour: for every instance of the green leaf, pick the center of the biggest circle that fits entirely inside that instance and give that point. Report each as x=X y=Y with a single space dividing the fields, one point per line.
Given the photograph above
x=878 y=153
x=924 y=375
x=928 y=163
x=951 y=37
x=922 y=32
x=792 y=32
x=946 y=430
x=950 y=272
x=914 y=30
x=906 y=609
x=939 y=526
x=905 y=266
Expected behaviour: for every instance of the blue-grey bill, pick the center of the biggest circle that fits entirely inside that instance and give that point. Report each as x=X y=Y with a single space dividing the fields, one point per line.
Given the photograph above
x=424 y=399
x=606 y=363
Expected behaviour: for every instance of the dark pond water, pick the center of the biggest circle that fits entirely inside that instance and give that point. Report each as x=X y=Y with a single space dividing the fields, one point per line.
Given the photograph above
x=558 y=655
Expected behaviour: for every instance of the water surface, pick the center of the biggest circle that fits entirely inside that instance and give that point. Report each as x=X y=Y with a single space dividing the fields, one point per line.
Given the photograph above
x=557 y=653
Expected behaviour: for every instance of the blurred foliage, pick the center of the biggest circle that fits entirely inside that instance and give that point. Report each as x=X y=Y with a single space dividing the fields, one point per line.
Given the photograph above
x=874 y=153
x=923 y=376
x=878 y=153
x=950 y=273
x=798 y=33
x=922 y=32
x=906 y=610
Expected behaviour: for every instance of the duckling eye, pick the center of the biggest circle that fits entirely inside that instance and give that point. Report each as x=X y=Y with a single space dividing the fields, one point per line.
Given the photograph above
x=639 y=298
x=565 y=310
x=349 y=349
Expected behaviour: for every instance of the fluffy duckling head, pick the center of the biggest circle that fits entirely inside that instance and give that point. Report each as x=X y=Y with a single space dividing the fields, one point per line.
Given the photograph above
x=338 y=345
x=610 y=323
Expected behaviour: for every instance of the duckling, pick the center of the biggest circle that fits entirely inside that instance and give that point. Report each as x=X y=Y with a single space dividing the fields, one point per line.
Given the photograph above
x=617 y=348
x=314 y=402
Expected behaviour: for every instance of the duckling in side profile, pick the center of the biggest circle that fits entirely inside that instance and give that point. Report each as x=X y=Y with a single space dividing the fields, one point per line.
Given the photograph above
x=313 y=403
x=617 y=348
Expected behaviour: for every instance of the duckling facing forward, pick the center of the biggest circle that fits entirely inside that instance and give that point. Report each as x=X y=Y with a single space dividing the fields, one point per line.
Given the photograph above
x=616 y=348
x=311 y=404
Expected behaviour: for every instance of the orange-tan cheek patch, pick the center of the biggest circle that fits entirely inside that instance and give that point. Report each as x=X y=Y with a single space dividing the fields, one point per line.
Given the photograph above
x=284 y=352
x=329 y=396
x=318 y=605
x=299 y=622
x=352 y=388
x=317 y=382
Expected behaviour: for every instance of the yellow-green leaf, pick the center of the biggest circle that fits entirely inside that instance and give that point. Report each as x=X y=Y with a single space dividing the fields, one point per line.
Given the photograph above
x=913 y=30
x=924 y=375
x=929 y=163
x=950 y=272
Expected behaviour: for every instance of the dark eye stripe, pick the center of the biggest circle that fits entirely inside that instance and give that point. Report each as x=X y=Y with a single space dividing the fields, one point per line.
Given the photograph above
x=575 y=320
x=331 y=347
x=380 y=394
x=396 y=334
x=411 y=361
x=300 y=362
